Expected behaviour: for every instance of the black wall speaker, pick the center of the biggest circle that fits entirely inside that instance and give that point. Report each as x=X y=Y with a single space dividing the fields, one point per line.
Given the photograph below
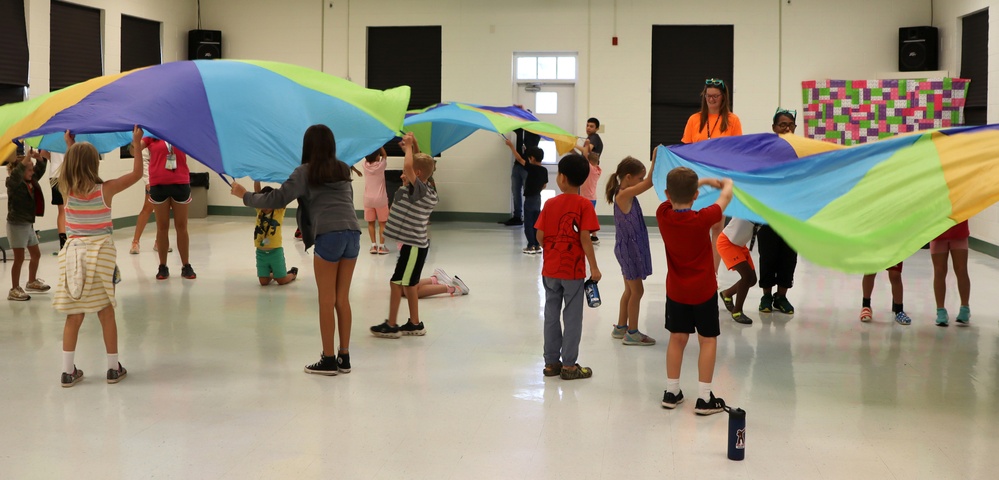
x=918 y=49
x=204 y=44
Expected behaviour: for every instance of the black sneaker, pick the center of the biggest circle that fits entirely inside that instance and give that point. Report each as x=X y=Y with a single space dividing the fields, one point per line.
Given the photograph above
x=413 y=330
x=115 y=376
x=384 y=330
x=670 y=400
x=70 y=379
x=710 y=407
x=343 y=362
x=594 y=240
x=741 y=317
x=163 y=273
x=188 y=272
x=325 y=366
x=782 y=305
x=513 y=222
x=293 y=271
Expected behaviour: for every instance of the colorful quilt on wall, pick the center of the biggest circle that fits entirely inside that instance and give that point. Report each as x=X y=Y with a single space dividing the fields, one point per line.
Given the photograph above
x=849 y=112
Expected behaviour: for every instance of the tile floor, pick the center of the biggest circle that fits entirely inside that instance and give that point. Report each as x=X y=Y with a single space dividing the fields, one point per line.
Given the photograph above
x=216 y=389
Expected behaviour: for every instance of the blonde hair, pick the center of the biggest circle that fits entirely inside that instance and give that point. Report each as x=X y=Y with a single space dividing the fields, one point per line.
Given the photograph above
x=424 y=163
x=80 y=168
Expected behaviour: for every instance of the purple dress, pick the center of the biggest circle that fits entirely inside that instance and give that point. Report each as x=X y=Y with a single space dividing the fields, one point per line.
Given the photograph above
x=631 y=242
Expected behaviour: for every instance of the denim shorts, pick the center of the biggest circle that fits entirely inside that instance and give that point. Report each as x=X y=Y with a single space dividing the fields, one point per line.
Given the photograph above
x=333 y=246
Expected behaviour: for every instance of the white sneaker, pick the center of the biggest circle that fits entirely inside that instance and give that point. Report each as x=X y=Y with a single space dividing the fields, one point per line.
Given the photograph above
x=442 y=277
x=17 y=294
x=37 y=286
x=460 y=285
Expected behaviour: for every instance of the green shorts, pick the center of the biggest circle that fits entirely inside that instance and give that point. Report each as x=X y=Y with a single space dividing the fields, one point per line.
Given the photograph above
x=271 y=262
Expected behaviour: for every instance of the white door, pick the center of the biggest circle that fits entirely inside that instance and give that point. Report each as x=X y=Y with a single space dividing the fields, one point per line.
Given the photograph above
x=554 y=103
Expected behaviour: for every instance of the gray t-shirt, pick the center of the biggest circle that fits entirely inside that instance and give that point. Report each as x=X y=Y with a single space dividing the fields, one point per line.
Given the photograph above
x=410 y=213
x=322 y=208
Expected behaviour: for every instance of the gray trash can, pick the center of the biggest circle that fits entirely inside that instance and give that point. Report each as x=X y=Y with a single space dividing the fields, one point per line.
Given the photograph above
x=199 y=195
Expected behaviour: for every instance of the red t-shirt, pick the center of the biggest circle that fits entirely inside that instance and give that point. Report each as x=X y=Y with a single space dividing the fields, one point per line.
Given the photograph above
x=957 y=232
x=562 y=218
x=158 y=173
x=690 y=278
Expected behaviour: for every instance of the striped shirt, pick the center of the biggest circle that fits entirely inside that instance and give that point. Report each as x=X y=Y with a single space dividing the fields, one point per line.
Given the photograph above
x=410 y=213
x=88 y=215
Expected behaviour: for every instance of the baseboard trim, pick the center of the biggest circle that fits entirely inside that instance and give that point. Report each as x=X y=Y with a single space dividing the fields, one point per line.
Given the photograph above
x=983 y=247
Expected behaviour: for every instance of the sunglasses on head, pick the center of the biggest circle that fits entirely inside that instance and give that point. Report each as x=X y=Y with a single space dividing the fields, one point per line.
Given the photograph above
x=715 y=82
x=783 y=111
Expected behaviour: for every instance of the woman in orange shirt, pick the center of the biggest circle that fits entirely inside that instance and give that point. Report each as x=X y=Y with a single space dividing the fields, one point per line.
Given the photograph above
x=714 y=120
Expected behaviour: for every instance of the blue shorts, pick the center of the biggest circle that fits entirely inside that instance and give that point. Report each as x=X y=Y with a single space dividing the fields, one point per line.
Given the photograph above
x=332 y=246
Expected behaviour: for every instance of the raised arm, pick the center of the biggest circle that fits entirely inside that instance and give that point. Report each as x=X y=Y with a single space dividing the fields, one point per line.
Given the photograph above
x=113 y=187
x=516 y=156
x=408 y=146
x=625 y=195
x=295 y=186
x=256 y=186
x=725 y=197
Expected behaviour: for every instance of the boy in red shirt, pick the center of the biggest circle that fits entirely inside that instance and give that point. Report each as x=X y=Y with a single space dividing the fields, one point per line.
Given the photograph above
x=691 y=285
x=564 y=228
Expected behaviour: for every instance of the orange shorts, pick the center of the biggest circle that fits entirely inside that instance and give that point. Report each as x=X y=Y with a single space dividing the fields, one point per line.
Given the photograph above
x=733 y=254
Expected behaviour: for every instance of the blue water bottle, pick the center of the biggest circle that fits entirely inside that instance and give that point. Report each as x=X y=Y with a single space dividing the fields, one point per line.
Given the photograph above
x=736 y=433
x=592 y=293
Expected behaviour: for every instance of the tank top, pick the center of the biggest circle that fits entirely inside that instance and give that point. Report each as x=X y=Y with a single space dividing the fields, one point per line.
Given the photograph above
x=88 y=215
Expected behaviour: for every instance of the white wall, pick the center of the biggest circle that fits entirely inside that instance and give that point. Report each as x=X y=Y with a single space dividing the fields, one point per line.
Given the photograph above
x=947 y=17
x=777 y=45
x=177 y=16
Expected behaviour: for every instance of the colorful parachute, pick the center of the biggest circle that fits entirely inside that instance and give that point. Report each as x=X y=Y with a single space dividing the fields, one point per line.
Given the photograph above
x=439 y=127
x=856 y=209
x=239 y=117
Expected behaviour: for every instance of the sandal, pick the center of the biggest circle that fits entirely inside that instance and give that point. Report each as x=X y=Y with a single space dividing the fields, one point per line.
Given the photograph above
x=552 y=369
x=866 y=314
x=135 y=248
x=576 y=373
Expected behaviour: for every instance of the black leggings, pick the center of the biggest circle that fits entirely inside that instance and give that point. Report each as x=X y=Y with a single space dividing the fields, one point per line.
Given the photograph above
x=777 y=259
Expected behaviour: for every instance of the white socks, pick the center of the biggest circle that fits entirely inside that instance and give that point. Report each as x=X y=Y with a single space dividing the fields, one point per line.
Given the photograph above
x=673 y=385
x=704 y=391
x=67 y=362
x=68 y=367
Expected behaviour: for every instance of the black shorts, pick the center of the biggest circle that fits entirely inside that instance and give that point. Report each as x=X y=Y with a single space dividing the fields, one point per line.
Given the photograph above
x=685 y=318
x=180 y=193
x=409 y=266
x=57 y=196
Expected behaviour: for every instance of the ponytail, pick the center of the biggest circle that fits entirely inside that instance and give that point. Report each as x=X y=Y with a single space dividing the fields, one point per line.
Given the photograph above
x=628 y=166
x=612 y=187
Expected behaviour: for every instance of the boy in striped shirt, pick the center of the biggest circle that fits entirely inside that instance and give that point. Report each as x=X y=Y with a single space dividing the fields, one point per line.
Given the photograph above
x=407 y=223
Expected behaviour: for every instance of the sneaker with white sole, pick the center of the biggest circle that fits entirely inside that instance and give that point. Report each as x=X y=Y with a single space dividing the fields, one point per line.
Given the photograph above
x=16 y=294
x=671 y=400
x=325 y=366
x=710 y=407
x=902 y=319
x=866 y=314
x=37 y=286
x=618 y=332
x=384 y=330
x=412 y=329
x=460 y=285
x=964 y=316
x=638 y=338
x=442 y=277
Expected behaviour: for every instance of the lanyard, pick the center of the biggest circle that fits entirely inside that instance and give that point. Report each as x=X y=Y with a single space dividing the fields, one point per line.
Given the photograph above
x=715 y=126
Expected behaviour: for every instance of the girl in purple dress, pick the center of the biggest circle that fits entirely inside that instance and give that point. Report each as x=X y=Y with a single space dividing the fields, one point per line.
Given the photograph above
x=631 y=245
